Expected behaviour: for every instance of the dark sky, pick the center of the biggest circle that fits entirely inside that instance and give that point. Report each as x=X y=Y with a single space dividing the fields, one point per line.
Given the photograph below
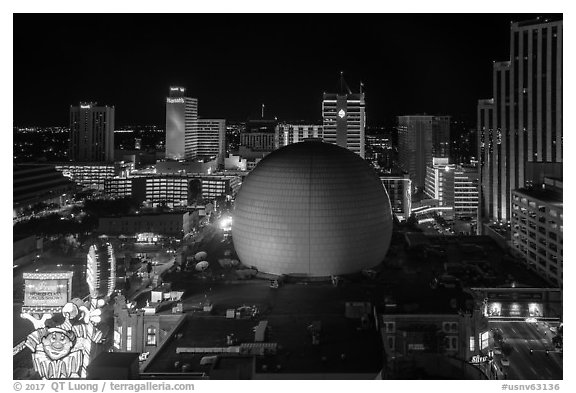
x=409 y=63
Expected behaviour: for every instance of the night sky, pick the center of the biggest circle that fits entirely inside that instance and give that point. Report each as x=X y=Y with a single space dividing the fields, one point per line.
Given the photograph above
x=409 y=63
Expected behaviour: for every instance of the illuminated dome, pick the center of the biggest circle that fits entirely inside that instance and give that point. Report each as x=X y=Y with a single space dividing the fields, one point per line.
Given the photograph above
x=312 y=209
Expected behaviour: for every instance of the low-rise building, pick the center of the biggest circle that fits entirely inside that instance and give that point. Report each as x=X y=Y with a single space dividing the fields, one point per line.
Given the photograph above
x=136 y=331
x=199 y=166
x=166 y=224
x=449 y=325
x=453 y=186
x=235 y=163
x=94 y=174
x=172 y=189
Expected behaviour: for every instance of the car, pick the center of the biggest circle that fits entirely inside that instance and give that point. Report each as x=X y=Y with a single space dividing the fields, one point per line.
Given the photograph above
x=505 y=362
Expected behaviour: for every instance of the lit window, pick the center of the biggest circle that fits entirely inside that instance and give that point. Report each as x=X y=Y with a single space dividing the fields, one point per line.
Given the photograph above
x=151 y=336
x=129 y=338
x=451 y=343
x=390 y=327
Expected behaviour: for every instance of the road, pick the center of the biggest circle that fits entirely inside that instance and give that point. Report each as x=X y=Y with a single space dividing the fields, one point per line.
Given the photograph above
x=523 y=336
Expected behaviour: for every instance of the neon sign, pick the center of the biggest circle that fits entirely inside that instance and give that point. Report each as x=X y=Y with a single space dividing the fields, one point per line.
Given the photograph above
x=477 y=359
x=46 y=292
x=62 y=350
x=175 y=100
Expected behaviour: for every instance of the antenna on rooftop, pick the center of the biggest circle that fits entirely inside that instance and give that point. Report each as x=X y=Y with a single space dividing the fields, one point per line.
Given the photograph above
x=344 y=89
x=262 y=110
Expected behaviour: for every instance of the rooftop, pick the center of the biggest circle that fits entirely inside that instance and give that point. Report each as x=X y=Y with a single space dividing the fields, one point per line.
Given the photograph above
x=537 y=21
x=289 y=314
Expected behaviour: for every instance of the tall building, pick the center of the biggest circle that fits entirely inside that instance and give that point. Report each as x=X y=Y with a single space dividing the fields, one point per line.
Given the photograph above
x=420 y=138
x=522 y=122
x=91 y=132
x=206 y=139
x=260 y=135
x=344 y=119
x=181 y=114
x=399 y=190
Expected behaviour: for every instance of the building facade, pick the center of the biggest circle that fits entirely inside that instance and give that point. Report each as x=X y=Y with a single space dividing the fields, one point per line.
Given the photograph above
x=294 y=133
x=207 y=139
x=260 y=135
x=522 y=122
x=466 y=183
x=537 y=229
x=399 y=190
x=420 y=138
x=411 y=338
x=172 y=189
x=91 y=133
x=344 y=119
x=39 y=183
x=181 y=114
x=166 y=224
x=93 y=174
x=135 y=331
x=453 y=186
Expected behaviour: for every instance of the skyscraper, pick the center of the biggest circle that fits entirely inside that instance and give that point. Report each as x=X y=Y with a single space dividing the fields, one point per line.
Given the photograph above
x=522 y=122
x=206 y=139
x=91 y=132
x=181 y=113
x=344 y=118
x=420 y=138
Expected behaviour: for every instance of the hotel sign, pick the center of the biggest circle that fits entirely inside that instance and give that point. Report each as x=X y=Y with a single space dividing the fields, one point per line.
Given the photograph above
x=175 y=100
x=46 y=293
x=47 y=290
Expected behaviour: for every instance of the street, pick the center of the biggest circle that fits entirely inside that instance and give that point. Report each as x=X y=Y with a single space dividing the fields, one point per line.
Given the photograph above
x=523 y=336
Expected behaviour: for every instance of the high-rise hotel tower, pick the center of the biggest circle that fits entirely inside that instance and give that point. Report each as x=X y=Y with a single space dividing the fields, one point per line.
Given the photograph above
x=91 y=133
x=181 y=115
x=522 y=123
x=344 y=118
x=420 y=139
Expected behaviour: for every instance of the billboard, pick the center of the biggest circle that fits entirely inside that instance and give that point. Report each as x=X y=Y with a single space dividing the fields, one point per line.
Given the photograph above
x=44 y=293
x=47 y=290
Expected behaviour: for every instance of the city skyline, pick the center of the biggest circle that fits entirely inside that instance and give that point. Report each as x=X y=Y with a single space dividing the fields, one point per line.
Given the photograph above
x=408 y=63
x=288 y=196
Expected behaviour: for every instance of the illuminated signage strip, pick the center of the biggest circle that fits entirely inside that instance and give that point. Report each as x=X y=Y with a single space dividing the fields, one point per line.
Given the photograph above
x=175 y=100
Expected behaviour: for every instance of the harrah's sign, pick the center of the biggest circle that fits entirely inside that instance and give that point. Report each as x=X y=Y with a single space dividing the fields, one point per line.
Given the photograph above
x=175 y=100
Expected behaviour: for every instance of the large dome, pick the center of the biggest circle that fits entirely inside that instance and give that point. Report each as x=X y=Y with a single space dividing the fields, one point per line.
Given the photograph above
x=312 y=209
